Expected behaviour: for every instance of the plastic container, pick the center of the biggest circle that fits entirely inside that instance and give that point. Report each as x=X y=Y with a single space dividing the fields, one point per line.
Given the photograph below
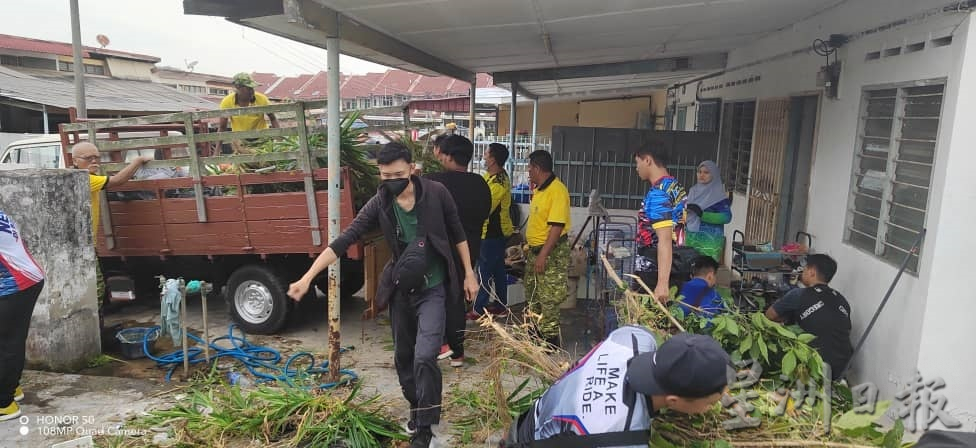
x=521 y=194
x=235 y=378
x=132 y=341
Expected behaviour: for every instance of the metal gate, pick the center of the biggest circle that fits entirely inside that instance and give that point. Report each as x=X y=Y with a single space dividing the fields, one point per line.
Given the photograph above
x=589 y=158
x=769 y=149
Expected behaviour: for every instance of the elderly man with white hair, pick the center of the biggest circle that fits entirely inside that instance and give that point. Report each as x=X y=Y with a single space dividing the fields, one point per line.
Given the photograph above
x=85 y=156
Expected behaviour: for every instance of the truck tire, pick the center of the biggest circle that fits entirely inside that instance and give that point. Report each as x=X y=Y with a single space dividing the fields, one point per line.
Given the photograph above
x=257 y=299
x=351 y=280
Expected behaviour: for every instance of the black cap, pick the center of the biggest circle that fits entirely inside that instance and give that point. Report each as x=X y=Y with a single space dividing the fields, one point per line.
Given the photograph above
x=687 y=365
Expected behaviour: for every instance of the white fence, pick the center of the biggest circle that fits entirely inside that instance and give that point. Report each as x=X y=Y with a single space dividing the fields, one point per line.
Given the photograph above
x=518 y=159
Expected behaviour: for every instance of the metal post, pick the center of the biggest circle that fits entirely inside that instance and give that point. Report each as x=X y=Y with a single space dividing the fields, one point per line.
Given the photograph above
x=471 y=111
x=44 y=111
x=79 y=65
x=186 y=357
x=535 y=120
x=332 y=46
x=513 y=153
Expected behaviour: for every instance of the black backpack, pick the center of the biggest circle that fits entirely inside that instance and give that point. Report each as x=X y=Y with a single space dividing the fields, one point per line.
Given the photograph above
x=410 y=268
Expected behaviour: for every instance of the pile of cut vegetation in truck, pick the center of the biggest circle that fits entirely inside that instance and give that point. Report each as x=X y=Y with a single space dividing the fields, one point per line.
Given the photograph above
x=353 y=152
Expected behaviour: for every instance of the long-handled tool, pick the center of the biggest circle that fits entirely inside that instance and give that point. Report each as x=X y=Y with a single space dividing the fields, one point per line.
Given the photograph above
x=867 y=331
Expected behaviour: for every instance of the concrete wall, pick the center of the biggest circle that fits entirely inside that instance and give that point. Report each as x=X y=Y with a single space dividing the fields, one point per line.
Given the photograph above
x=126 y=69
x=892 y=352
x=611 y=113
x=953 y=245
x=52 y=209
x=560 y=113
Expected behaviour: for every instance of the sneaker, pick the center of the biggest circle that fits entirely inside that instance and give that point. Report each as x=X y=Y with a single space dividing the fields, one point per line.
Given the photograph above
x=18 y=394
x=411 y=427
x=12 y=411
x=472 y=316
x=422 y=438
x=446 y=352
x=457 y=362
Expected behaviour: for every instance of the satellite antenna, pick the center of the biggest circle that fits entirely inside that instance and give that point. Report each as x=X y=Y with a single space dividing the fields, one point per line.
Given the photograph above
x=190 y=65
x=102 y=40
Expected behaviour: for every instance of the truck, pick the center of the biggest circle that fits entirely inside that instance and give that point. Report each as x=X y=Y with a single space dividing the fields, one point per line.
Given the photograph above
x=249 y=231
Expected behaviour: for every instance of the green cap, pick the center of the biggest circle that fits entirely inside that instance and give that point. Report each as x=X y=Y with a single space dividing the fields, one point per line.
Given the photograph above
x=245 y=80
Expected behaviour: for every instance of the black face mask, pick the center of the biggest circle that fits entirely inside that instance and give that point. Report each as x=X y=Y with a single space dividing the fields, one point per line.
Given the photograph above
x=396 y=186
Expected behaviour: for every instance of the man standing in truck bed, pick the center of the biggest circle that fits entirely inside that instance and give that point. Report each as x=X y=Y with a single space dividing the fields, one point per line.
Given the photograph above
x=244 y=96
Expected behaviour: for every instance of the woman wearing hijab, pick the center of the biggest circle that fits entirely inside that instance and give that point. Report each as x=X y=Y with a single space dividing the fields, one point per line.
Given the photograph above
x=708 y=211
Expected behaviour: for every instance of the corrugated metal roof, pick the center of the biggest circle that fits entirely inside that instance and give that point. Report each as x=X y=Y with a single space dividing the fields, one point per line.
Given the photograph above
x=102 y=94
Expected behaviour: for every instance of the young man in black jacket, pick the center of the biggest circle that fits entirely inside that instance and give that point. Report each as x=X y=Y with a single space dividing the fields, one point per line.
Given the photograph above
x=420 y=222
x=473 y=201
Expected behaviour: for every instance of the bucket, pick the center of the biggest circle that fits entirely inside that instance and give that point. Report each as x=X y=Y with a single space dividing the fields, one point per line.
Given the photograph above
x=132 y=341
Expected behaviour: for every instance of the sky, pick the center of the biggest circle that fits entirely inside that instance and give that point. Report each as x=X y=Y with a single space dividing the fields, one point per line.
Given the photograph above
x=159 y=28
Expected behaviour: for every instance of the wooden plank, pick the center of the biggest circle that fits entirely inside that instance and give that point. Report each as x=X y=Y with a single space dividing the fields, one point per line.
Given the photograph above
x=136 y=212
x=275 y=206
x=178 y=117
x=195 y=171
x=206 y=237
x=305 y=163
x=217 y=160
x=148 y=238
x=347 y=211
x=267 y=235
x=376 y=253
x=219 y=209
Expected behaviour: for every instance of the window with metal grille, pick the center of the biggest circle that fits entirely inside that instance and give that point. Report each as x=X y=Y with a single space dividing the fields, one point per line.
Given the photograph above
x=708 y=114
x=736 y=144
x=681 y=118
x=893 y=170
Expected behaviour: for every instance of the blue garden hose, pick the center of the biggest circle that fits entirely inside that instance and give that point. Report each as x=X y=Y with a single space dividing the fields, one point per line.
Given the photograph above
x=262 y=362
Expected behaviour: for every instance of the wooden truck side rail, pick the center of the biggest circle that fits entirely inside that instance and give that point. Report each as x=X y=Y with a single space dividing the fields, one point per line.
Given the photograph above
x=233 y=222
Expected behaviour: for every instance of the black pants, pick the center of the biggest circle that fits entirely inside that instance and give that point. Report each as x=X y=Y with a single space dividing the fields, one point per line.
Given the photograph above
x=418 y=329
x=15 y=317
x=456 y=324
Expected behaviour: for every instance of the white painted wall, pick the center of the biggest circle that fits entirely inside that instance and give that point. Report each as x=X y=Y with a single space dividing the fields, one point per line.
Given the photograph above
x=947 y=328
x=892 y=352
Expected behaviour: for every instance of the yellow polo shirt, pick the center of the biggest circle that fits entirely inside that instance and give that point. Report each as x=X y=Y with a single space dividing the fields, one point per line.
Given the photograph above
x=96 y=184
x=550 y=204
x=251 y=122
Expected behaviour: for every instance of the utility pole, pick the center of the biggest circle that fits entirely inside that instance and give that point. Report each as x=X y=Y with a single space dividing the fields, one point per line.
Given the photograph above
x=79 y=65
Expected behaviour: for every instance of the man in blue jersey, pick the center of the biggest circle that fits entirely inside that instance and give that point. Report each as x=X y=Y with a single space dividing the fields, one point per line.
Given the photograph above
x=660 y=213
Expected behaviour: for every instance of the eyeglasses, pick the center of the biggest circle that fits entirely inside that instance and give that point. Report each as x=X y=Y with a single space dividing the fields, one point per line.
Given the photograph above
x=91 y=158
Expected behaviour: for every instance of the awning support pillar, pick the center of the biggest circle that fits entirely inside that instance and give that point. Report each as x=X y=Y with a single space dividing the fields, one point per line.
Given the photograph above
x=332 y=47
x=512 y=138
x=535 y=120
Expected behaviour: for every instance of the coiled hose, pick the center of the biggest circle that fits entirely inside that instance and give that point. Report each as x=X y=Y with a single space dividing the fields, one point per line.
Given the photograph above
x=262 y=362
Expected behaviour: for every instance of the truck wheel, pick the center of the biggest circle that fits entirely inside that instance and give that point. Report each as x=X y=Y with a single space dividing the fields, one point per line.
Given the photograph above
x=350 y=282
x=257 y=299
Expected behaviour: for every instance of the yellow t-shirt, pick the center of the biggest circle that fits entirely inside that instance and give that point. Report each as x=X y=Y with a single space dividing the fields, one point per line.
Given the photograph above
x=499 y=223
x=550 y=204
x=250 y=122
x=96 y=184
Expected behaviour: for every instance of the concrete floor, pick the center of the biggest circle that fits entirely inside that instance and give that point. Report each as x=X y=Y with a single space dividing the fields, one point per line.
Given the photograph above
x=101 y=398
